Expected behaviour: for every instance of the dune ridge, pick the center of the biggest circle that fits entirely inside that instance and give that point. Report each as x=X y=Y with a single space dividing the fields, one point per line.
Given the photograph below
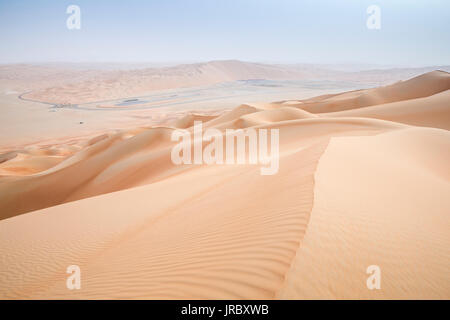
x=363 y=179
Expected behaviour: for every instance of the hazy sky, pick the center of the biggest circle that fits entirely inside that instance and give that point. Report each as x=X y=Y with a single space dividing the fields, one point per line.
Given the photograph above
x=413 y=32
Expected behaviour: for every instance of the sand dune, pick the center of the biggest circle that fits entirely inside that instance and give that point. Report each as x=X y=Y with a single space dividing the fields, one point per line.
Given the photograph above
x=419 y=87
x=90 y=85
x=412 y=111
x=363 y=180
x=115 y=85
x=379 y=200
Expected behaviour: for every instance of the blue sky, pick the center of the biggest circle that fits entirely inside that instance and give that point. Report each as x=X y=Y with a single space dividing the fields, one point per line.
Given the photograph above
x=413 y=32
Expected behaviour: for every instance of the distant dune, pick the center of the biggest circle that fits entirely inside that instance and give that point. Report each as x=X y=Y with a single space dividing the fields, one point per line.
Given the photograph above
x=363 y=180
x=93 y=85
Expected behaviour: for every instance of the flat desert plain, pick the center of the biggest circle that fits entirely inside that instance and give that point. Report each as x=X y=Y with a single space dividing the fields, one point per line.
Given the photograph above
x=87 y=179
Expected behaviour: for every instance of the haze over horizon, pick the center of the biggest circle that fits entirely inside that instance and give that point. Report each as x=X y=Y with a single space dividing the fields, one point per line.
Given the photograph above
x=318 y=32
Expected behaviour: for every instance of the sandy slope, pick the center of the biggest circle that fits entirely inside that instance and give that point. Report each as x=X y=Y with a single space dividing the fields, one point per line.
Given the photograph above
x=411 y=111
x=380 y=200
x=363 y=180
x=419 y=87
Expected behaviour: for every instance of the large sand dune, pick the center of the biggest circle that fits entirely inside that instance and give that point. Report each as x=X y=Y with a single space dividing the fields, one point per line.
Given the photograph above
x=77 y=86
x=363 y=180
